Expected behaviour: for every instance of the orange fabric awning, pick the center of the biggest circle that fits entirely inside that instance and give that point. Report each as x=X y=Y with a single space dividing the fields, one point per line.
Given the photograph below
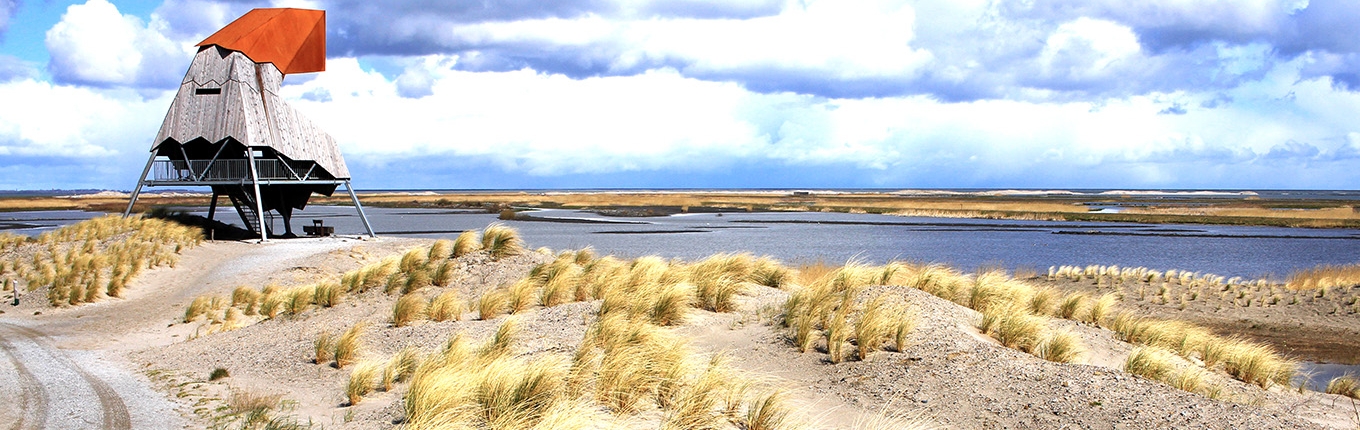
x=293 y=39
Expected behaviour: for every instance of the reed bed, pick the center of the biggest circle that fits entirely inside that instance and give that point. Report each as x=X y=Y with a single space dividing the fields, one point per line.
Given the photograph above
x=93 y=259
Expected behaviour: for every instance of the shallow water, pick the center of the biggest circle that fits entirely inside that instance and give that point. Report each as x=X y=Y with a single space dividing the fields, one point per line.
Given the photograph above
x=836 y=237
x=1319 y=374
x=963 y=243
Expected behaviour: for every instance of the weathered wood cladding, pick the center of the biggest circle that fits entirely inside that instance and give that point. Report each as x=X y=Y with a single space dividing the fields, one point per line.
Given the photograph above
x=248 y=109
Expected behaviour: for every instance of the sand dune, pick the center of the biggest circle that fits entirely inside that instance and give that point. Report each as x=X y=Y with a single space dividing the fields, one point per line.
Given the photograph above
x=950 y=375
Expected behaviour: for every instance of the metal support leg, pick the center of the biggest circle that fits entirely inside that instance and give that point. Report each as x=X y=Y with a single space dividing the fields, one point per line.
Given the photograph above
x=141 y=179
x=363 y=217
x=212 y=206
x=259 y=202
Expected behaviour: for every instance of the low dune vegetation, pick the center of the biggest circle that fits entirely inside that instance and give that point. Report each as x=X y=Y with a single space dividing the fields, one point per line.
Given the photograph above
x=1247 y=361
x=405 y=275
x=834 y=308
x=93 y=259
x=1324 y=277
x=1337 y=287
x=1347 y=385
x=632 y=365
x=628 y=366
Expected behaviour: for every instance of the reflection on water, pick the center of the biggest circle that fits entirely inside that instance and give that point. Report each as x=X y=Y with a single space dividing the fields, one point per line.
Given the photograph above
x=1319 y=374
x=836 y=237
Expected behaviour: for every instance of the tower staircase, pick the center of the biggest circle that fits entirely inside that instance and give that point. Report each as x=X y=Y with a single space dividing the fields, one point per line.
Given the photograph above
x=245 y=206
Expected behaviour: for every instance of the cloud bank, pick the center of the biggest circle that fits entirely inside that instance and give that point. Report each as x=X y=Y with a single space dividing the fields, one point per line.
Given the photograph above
x=600 y=93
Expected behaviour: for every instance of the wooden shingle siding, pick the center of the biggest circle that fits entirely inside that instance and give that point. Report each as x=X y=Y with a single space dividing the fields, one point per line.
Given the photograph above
x=248 y=109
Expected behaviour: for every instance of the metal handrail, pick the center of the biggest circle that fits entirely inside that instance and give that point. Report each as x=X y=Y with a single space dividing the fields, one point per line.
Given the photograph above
x=220 y=170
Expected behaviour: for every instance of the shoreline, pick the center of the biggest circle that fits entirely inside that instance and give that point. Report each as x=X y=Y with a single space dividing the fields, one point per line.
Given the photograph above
x=1142 y=207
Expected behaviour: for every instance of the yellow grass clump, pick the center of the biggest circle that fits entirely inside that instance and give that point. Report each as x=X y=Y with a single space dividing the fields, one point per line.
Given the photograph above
x=1071 y=305
x=441 y=249
x=328 y=294
x=1060 y=346
x=1099 y=310
x=298 y=299
x=500 y=241
x=408 y=309
x=362 y=380
x=400 y=367
x=874 y=327
x=324 y=347
x=349 y=345
x=493 y=303
x=197 y=308
x=1013 y=328
x=446 y=306
x=828 y=304
x=1346 y=385
x=1150 y=362
x=468 y=242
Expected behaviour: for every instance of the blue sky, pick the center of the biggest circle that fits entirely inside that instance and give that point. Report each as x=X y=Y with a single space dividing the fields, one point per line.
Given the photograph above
x=729 y=93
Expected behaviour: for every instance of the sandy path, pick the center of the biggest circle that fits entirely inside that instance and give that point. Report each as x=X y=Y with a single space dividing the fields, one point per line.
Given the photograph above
x=66 y=368
x=56 y=391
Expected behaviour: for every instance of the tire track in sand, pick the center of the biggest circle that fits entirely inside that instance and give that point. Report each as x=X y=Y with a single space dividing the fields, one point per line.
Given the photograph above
x=114 y=411
x=32 y=395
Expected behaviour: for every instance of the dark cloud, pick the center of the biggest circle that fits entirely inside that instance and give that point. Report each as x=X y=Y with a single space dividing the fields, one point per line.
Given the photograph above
x=418 y=27
x=1322 y=26
x=992 y=55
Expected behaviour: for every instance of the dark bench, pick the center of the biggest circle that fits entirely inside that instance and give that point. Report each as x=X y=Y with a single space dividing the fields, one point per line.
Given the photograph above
x=318 y=228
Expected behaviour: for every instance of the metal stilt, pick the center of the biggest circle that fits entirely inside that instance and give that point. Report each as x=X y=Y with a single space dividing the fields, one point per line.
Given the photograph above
x=259 y=202
x=363 y=217
x=141 y=179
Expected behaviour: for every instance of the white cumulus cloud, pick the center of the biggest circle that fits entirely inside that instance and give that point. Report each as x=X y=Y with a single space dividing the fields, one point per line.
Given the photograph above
x=95 y=44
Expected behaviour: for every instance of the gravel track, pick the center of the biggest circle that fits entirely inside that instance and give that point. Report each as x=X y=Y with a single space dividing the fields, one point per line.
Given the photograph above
x=58 y=392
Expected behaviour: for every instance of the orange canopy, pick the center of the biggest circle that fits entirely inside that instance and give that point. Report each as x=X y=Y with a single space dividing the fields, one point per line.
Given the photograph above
x=293 y=39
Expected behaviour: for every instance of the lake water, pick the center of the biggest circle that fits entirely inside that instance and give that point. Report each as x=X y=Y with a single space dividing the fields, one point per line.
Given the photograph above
x=798 y=237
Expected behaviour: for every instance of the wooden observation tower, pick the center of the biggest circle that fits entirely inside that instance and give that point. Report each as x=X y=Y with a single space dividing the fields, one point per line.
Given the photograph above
x=229 y=129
